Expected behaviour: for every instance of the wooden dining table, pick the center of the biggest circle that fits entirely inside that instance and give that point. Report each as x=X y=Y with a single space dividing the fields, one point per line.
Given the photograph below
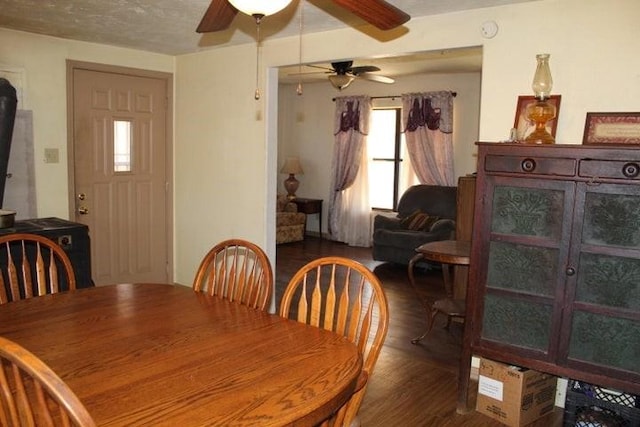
x=154 y=354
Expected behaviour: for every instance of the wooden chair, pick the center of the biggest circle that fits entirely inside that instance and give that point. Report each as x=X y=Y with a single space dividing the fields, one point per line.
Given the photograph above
x=32 y=394
x=343 y=296
x=237 y=270
x=32 y=265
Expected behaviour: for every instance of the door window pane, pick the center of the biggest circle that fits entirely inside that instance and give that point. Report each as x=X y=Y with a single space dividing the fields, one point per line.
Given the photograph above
x=122 y=146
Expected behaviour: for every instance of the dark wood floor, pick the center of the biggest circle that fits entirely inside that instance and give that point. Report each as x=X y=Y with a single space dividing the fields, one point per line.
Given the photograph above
x=413 y=385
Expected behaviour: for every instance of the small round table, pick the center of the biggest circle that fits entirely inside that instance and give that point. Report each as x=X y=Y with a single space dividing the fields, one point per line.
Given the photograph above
x=448 y=253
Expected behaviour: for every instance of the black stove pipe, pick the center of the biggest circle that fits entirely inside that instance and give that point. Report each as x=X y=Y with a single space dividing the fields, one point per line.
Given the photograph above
x=8 y=105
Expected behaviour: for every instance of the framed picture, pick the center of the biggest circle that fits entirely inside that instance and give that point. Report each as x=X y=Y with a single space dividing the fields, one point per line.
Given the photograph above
x=523 y=126
x=612 y=128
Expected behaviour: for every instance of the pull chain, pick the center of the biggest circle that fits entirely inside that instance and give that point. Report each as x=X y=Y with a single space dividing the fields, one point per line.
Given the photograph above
x=299 y=88
x=257 y=92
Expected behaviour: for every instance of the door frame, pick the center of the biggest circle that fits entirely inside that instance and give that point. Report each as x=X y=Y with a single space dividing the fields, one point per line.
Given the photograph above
x=73 y=65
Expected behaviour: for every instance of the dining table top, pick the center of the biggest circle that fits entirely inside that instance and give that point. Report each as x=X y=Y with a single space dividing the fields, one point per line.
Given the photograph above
x=156 y=354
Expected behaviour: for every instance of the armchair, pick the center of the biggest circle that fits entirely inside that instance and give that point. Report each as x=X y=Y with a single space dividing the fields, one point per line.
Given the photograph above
x=290 y=224
x=425 y=213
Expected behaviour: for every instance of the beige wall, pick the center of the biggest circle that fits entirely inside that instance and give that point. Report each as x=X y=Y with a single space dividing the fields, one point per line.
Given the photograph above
x=305 y=126
x=43 y=62
x=225 y=142
x=592 y=60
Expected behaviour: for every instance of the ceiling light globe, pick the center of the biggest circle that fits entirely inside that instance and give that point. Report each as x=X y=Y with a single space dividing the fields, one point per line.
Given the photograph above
x=260 y=7
x=340 y=81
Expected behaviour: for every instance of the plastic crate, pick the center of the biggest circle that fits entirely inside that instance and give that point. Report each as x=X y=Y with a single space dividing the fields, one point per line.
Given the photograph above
x=588 y=405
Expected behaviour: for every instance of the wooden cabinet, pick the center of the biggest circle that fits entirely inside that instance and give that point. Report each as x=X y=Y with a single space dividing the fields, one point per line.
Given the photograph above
x=555 y=262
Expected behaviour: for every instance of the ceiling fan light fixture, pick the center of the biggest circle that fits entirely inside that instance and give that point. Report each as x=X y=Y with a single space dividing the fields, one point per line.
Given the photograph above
x=340 y=81
x=260 y=7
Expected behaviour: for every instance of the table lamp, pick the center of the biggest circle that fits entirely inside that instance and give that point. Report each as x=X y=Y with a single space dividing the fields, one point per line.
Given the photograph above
x=292 y=167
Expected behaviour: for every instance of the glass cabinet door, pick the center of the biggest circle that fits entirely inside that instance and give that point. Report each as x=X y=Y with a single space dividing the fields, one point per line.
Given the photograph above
x=604 y=323
x=525 y=262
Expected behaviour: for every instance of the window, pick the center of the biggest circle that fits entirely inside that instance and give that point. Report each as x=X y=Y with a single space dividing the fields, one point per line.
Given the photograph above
x=390 y=172
x=121 y=146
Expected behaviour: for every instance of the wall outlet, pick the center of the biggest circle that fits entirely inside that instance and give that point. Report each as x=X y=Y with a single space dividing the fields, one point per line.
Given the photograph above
x=51 y=155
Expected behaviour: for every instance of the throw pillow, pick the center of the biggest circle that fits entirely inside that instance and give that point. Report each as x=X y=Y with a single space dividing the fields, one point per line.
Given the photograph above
x=404 y=222
x=419 y=221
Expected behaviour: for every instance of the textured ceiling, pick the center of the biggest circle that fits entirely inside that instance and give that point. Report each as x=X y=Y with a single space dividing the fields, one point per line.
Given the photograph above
x=168 y=26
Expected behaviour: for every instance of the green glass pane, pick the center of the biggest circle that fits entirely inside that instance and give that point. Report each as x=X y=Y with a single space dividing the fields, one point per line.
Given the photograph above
x=514 y=322
x=611 y=220
x=608 y=280
x=519 y=267
x=527 y=211
x=605 y=340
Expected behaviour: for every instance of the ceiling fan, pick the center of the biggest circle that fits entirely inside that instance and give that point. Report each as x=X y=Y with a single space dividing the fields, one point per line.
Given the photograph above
x=343 y=73
x=220 y=13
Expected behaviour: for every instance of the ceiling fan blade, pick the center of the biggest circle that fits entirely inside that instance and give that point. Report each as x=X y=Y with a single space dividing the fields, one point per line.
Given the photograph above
x=378 y=13
x=364 y=69
x=310 y=73
x=331 y=70
x=218 y=17
x=375 y=78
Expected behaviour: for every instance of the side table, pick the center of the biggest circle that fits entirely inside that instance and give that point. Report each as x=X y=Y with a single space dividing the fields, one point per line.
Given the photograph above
x=310 y=206
x=448 y=253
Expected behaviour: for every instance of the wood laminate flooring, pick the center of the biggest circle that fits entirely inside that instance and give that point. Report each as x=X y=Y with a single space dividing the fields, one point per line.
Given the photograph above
x=412 y=385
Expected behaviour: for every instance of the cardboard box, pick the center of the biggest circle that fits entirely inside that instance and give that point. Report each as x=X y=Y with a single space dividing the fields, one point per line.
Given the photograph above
x=512 y=395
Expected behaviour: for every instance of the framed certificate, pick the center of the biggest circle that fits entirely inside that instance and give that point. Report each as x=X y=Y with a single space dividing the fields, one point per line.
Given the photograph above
x=612 y=128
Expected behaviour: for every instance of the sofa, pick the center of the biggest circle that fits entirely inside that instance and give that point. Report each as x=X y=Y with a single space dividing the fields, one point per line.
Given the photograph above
x=425 y=213
x=290 y=224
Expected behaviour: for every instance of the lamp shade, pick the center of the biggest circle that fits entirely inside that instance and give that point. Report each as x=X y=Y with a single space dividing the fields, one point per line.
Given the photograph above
x=340 y=81
x=260 y=7
x=292 y=166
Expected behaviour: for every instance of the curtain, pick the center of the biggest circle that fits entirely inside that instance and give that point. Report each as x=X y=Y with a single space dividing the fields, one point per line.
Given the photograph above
x=349 y=209
x=428 y=127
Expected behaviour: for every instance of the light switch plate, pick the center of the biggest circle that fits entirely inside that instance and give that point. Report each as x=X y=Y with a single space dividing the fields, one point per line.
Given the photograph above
x=51 y=155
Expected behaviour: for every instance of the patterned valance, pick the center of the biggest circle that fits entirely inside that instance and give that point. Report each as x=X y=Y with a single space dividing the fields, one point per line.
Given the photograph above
x=433 y=110
x=352 y=113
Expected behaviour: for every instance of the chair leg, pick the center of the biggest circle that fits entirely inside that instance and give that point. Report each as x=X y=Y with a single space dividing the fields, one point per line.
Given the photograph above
x=432 y=319
x=448 y=322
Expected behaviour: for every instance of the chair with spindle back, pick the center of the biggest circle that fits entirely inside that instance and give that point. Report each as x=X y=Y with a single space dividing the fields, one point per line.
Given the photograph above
x=237 y=270
x=32 y=265
x=343 y=296
x=33 y=394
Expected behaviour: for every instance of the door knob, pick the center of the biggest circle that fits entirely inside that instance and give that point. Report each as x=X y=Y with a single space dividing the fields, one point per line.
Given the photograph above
x=82 y=210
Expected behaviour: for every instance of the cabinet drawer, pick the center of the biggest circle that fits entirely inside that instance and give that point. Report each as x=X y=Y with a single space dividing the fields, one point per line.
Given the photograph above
x=533 y=165
x=618 y=169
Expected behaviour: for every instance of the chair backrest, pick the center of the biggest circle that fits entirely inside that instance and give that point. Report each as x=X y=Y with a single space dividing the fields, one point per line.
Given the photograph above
x=343 y=296
x=32 y=265
x=237 y=270
x=436 y=200
x=32 y=394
